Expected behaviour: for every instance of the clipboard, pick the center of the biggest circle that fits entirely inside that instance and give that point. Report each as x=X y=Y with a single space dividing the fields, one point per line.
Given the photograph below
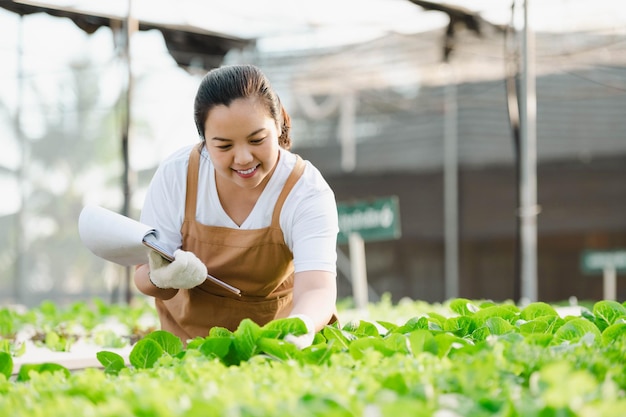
x=122 y=240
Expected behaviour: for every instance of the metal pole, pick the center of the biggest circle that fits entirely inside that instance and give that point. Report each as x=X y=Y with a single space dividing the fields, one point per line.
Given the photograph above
x=347 y=115
x=130 y=28
x=528 y=209
x=344 y=266
x=20 y=236
x=512 y=54
x=609 y=282
x=451 y=172
x=358 y=271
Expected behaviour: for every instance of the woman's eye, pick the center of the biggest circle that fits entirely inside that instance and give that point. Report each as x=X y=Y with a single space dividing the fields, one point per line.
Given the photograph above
x=257 y=141
x=224 y=147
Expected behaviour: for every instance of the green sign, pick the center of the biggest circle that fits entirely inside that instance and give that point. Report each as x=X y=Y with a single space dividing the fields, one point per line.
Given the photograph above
x=377 y=219
x=595 y=261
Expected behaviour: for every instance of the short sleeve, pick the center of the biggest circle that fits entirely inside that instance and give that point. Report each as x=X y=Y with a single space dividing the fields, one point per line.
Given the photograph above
x=164 y=205
x=311 y=210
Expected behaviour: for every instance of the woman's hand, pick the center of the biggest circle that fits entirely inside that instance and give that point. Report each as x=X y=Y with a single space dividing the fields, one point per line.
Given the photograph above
x=304 y=340
x=184 y=272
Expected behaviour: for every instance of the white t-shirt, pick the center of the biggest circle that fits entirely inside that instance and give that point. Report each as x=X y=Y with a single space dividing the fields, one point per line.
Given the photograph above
x=308 y=218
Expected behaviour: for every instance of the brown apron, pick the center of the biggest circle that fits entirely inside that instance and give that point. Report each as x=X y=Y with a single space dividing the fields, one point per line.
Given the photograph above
x=257 y=261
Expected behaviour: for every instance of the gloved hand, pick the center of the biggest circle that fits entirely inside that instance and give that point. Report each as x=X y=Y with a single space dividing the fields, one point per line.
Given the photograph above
x=186 y=271
x=304 y=340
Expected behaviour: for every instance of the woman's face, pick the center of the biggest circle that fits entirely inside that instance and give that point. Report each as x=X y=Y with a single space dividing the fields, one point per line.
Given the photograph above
x=242 y=140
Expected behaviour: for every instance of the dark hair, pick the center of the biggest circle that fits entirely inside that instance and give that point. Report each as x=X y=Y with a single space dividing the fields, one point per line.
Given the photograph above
x=221 y=86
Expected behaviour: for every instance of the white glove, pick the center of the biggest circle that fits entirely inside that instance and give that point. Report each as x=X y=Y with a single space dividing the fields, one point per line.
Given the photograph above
x=304 y=340
x=186 y=271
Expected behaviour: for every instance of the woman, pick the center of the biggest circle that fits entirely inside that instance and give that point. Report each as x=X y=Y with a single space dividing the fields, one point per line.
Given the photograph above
x=244 y=209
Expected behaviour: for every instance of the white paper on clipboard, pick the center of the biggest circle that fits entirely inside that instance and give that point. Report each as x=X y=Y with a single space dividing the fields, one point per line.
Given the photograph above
x=122 y=240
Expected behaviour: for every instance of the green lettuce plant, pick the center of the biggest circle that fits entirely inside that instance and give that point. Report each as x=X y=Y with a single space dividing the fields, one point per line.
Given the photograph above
x=475 y=359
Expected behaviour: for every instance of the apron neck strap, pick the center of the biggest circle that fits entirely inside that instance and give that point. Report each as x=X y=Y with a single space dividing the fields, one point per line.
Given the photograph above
x=293 y=178
x=192 y=185
x=192 y=182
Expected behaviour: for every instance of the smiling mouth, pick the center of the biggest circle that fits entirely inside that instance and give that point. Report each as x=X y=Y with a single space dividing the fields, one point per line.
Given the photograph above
x=247 y=171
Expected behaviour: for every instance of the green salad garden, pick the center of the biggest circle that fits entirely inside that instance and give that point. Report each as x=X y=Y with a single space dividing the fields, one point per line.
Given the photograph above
x=461 y=358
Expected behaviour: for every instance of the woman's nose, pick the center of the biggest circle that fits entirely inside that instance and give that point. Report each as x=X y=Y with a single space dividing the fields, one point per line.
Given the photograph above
x=243 y=155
